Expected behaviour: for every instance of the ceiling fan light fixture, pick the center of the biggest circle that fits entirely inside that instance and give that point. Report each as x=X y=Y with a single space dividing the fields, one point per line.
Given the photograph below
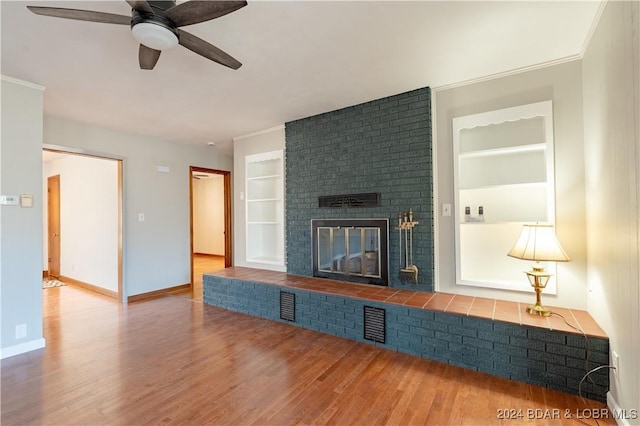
x=154 y=36
x=155 y=25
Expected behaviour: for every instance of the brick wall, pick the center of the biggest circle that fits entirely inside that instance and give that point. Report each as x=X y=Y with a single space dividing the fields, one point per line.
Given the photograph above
x=542 y=357
x=379 y=146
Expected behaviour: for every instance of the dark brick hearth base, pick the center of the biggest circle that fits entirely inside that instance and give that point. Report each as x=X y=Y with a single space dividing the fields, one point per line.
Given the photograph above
x=539 y=351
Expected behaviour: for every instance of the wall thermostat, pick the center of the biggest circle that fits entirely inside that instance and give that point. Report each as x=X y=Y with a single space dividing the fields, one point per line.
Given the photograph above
x=9 y=200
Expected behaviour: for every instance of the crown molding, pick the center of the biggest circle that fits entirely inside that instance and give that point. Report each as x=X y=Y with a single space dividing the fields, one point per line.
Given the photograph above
x=576 y=57
x=515 y=71
x=261 y=132
x=592 y=28
x=22 y=83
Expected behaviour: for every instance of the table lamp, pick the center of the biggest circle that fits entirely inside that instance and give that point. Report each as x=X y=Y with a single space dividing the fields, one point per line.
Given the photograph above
x=538 y=243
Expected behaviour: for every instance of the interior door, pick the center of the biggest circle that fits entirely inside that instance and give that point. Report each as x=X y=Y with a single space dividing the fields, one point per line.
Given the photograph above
x=53 y=204
x=196 y=276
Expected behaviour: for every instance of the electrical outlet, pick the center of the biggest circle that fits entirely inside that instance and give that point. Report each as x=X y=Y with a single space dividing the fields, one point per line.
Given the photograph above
x=616 y=362
x=21 y=331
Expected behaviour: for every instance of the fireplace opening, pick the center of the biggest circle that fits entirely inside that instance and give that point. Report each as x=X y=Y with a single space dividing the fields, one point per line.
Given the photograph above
x=354 y=250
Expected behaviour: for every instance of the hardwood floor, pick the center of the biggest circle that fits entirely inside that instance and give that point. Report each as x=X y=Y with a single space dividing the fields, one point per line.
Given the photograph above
x=176 y=361
x=203 y=263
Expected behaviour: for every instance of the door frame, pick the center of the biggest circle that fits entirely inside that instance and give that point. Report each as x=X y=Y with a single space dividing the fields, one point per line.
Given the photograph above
x=53 y=181
x=228 y=240
x=120 y=207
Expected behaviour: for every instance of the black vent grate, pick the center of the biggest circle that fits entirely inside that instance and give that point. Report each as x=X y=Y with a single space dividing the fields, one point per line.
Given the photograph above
x=287 y=306
x=370 y=199
x=374 y=324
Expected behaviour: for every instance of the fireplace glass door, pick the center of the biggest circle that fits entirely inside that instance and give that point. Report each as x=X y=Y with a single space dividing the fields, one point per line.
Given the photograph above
x=352 y=253
x=349 y=251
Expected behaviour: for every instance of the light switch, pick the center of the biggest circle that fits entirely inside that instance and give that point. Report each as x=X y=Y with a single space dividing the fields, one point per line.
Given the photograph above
x=26 y=200
x=446 y=209
x=140 y=217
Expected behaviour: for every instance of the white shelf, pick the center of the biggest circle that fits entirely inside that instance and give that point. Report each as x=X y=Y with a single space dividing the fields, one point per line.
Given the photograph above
x=503 y=151
x=267 y=260
x=508 y=186
x=264 y=206
x=506 y=203
x=484 y=223
x=519 y=167
x=262 y=200
x=266 y=177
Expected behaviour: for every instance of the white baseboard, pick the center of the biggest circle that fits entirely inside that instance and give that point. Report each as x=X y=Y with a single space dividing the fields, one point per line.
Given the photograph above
x=22 y=348
x=613 y=406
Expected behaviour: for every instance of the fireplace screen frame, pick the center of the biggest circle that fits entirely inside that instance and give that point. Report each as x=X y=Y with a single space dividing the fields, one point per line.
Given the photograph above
x=381 y=278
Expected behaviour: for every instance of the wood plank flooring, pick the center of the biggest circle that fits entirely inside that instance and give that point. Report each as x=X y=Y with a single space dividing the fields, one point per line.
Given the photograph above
x=203 y=263
x=172 y=360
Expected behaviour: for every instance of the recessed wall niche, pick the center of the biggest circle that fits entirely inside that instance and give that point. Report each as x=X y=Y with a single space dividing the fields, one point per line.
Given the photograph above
x=503 y=178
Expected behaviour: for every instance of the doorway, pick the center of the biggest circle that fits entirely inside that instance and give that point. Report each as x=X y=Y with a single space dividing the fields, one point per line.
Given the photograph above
x=210 y=230
x=53 y=220
x=83 y=217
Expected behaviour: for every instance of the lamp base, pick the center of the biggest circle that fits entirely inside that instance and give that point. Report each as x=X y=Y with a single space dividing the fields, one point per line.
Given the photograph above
x=538 y=310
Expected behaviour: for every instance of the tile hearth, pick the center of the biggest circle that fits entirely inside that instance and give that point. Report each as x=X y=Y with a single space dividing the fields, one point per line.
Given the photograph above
x=494 y=309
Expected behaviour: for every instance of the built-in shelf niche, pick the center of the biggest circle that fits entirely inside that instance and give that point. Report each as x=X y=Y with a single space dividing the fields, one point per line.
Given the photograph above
x=265 y=208
x=503 y=164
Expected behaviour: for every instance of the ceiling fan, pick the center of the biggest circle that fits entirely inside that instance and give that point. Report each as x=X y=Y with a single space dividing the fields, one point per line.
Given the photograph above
x=155 y=25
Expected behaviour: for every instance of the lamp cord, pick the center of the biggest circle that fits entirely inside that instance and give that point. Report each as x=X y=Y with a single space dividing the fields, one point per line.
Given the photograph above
x=586 y=362
x=586 y=341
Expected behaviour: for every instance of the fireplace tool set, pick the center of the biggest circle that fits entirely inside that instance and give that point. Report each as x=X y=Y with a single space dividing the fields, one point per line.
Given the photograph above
x=408 y=274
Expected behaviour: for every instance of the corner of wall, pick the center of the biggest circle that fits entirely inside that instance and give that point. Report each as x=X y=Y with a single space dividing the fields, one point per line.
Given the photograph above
x=612 y=163
x=21 y=236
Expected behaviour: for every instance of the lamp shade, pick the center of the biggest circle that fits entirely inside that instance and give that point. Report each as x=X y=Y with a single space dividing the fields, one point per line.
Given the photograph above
x=538 y=243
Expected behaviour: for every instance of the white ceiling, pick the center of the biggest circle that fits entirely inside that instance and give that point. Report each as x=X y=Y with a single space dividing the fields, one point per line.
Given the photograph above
x=299 y=59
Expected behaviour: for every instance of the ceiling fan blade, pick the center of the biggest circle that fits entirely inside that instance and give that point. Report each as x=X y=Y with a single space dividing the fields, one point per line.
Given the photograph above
x=209 y=51
x=140 y=5
x=193 y=12
x=81 y=15
x=148 y=57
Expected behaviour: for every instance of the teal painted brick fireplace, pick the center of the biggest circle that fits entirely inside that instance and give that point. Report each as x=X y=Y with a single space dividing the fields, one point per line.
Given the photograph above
x=382 y=146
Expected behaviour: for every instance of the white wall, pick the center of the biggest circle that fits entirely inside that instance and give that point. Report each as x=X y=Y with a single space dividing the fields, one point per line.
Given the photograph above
x=611 y=87
x=208 y=215
x=88 y=219
x=21 y=228
x=561 y=84
x=266 y=141
x=157 y=250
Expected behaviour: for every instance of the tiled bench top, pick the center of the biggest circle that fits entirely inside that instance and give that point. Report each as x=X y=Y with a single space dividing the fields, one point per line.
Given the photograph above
x=495 y=309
